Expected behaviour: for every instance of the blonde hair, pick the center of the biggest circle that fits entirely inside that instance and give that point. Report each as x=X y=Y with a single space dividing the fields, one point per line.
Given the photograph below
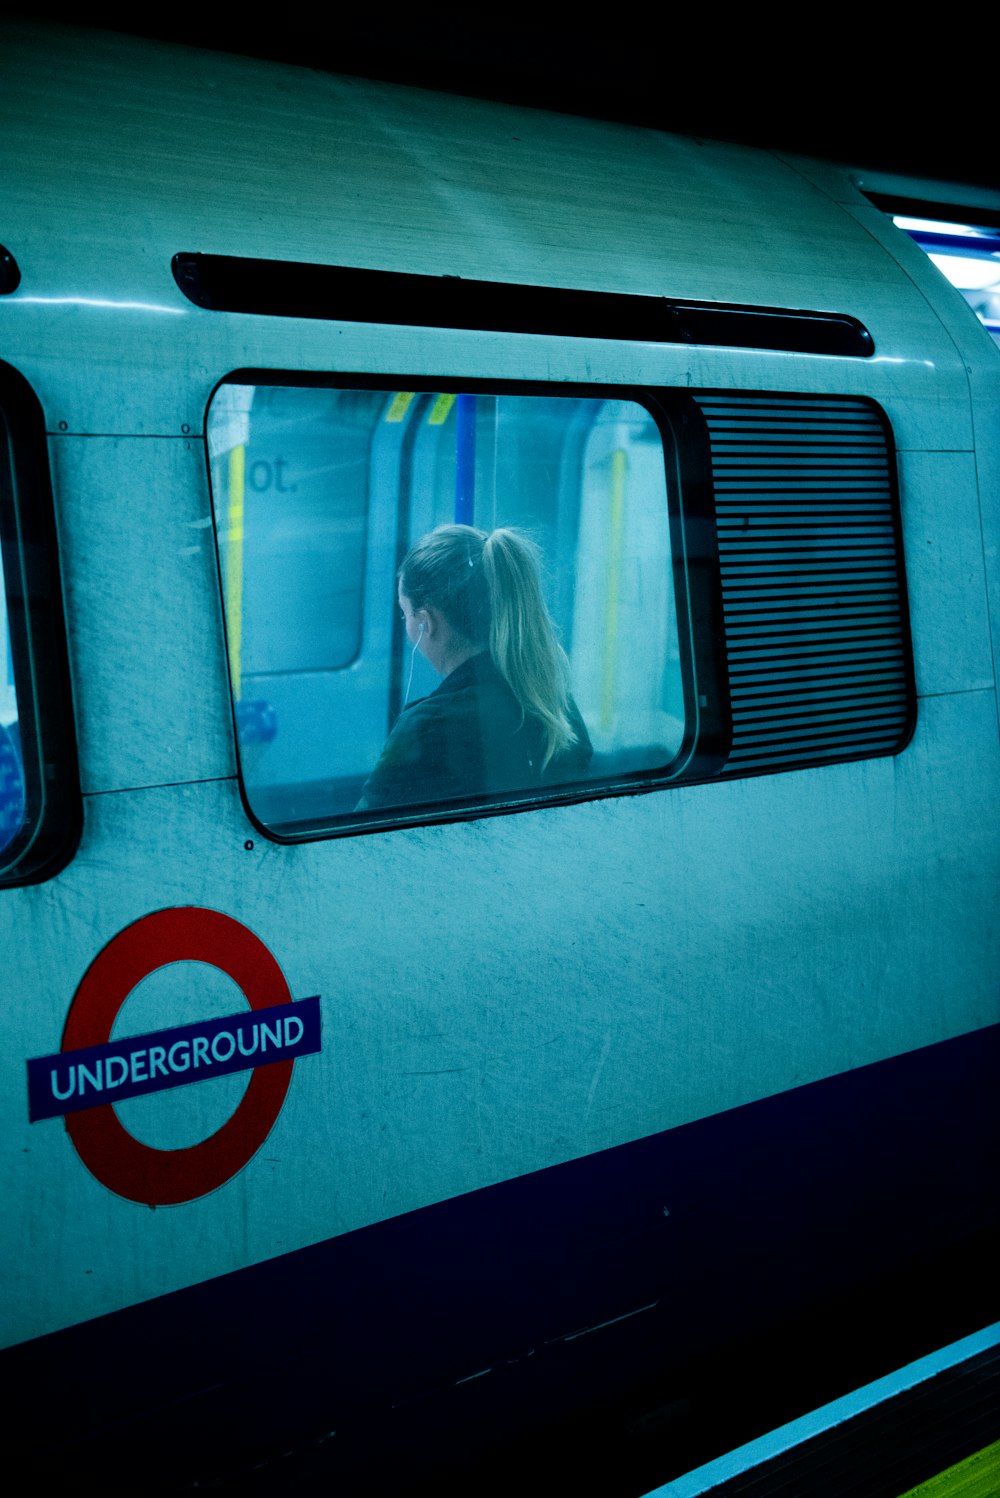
x=488 y=587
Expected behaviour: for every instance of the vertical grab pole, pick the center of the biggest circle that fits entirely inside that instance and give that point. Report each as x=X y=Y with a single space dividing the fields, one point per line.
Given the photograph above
x=234 y=564
x=465 y=460
x=616 y=536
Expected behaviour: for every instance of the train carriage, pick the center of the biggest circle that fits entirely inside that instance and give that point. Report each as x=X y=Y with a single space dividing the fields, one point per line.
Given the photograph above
x=645 y=1105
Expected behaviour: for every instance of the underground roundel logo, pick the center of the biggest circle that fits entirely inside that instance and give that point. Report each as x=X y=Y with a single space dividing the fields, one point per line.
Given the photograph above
x=84 y=1080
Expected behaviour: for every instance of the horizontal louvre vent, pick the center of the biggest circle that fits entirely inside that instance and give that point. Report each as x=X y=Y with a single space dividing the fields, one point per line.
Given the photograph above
x=817 y=637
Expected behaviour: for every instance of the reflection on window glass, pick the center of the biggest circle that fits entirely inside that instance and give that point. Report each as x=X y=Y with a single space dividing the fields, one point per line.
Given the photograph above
x=40 y=811
x=969 y=257
x=539 y=648
x=12 y=797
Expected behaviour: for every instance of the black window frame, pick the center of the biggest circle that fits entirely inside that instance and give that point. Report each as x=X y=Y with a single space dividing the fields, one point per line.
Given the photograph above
x=694 y=552
x=54 y=808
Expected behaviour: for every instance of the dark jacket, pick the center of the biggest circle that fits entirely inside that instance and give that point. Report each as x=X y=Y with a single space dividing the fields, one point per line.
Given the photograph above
x=469 y=738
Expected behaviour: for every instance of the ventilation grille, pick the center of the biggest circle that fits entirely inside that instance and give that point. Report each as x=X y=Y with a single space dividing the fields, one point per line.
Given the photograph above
x=817 y=636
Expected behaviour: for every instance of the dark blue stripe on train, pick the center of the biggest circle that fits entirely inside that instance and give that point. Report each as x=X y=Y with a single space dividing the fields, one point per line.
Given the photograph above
x=744 y=1268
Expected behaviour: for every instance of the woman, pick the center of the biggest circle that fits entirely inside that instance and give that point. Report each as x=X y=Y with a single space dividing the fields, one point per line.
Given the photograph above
x=502 y=718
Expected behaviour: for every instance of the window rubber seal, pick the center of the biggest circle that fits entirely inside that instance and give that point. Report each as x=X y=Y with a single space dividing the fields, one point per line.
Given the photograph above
x=54 y=808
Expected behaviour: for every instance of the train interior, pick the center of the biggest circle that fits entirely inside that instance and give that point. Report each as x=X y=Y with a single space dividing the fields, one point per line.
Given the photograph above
x=320 y=492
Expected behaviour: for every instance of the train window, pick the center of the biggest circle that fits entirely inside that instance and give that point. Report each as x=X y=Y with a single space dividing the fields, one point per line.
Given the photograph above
x=723 y=571
x=39 y=788
x=12 y=798
x=353 y=711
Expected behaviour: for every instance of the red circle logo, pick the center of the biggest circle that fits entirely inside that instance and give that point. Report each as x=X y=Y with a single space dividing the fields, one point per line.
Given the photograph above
x=164 y=1177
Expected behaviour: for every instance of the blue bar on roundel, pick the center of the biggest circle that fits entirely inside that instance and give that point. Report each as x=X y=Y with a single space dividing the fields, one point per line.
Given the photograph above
x=70 y=1081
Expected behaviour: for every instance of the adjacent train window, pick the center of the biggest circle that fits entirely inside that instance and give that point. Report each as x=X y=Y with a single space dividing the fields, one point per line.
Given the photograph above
x=39 y=788
x=356 y=704
x=968 y=255
x=964 y=244
x=13 y=802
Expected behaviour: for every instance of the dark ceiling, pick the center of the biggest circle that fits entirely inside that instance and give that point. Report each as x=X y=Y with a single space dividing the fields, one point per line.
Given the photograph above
x=899 y=101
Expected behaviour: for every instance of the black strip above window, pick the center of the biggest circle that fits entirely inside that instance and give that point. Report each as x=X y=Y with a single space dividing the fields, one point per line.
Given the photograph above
x=281 y=288
x=951 y=213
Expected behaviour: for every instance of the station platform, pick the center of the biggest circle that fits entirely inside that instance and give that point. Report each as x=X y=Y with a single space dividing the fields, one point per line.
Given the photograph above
x=929 y=1430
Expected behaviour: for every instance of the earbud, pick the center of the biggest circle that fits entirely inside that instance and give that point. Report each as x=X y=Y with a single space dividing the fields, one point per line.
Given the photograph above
x=413 y=657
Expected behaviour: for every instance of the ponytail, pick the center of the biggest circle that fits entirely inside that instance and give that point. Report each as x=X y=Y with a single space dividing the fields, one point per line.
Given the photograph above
x=489 y=589
x=523 y=640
